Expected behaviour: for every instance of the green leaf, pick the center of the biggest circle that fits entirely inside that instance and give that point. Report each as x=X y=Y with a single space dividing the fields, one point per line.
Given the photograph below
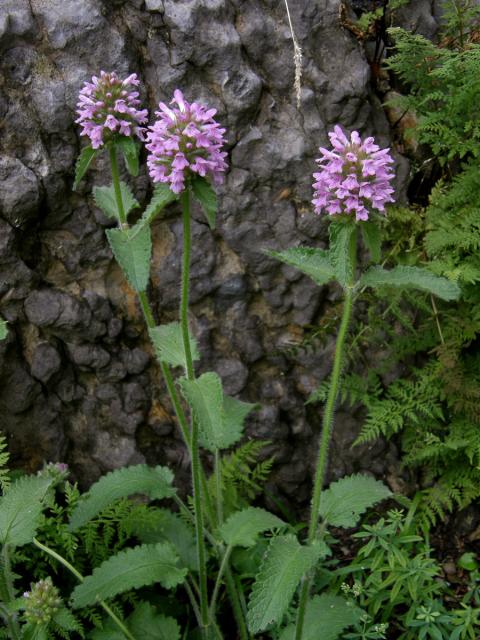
x=411 y=278
x=146 y=624
x=84 y=160
x=168 y=342
x=20 y=509
x=372 y=239
x=283 y=566
x=242 y=528
x=130 y=152
x=162 y=196
x=132 y=249
x=131 y=569
x=3 y=329
x=345 y=500
x=315 y=263
x=343 y=238
x=106 y=201
x=206 y=196
x=110 y=631
x=220 y=418
x=165 y=526
x=156 y=482
x=328 y=614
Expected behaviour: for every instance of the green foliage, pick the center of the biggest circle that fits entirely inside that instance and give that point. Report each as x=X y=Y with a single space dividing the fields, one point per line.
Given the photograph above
x=132 y=249
x=3 y=329
x=162 y=196
x=81 y=167
x=411 y=278
x=156 y=482
x=242 y=528
x=220 y=418
x=345 y=500
x=283 y=566
x=206 y=196
x=20 y=509
x=168 y=342
x=131 y=569
x=105 y=200
x=145 y=623
x=4 y=458
x=343 y=236
x=130 y=151
x=371 y=234
x=315 y=263
x=460 y=21
x=333 y=613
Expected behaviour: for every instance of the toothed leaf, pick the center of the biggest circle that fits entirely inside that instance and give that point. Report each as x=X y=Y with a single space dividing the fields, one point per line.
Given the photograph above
x=84 y=160
x=162 y=196
x=132 y=249
x=105 y=200
x=131 y=569
x=342 y=251
x=130 y=151
x=404 y=277
x=155 y=482
x=315 y=263
x=206 y=196
x=20 y=509
x=372 y=239
x=242 y=528
x=168 y=342
x=345 y=500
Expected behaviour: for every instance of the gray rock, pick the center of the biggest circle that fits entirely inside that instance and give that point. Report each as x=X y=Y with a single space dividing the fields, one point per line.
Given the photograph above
x=19 y=192
x=46 y=362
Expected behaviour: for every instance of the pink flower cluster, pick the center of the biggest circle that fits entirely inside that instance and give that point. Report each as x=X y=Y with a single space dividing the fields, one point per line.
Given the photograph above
x=354 y=176
x=185 y=139
x=108 y=105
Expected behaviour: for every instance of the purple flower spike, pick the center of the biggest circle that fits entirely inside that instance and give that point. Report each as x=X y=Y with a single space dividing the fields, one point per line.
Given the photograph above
x=109 y=106
x=185 y=139
x=354 y=176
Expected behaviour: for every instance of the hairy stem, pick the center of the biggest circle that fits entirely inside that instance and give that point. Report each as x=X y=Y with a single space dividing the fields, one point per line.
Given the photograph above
x=221 y=571
x=327 y=428
x=235 y=600
x=116 y=184
x=80 y=578
x=194 y=450
x=218 y=486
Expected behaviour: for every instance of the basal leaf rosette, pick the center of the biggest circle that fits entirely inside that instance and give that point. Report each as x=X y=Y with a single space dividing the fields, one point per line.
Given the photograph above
x=109 y=106
x=354 y=177
x=185 y=139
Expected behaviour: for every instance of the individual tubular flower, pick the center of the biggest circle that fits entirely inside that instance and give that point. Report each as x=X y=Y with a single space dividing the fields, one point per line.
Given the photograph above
x=184 y=140
x=42 y=602
x=354 y=176
x=109 y=106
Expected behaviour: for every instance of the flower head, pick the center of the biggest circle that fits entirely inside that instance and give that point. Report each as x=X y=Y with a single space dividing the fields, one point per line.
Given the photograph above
x=185 y=139
x=354 y=176
x=109 y=106
x=42 y=602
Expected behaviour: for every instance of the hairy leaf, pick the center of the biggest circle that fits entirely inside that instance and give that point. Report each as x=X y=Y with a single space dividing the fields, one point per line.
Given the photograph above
x=315 y=263
x=328 y=613
x=283 y=566
x=132 y=249
x=20 y=509
x=206 y=196
x=345 y=500
x=242 y=528
x=168 y=342
x=84 y=160
x=411 y=278
x=131 y=569
x=165 y=526
x=162 y=196
x=156 y=482
x=220 y=418
x=106 y=201
x=65 y=619
x=372 y=239
x=130 y=151
x=342 y=251
x=146 y=624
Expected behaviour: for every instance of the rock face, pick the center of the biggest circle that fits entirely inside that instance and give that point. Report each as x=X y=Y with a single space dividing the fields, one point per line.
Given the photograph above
x=77 y=378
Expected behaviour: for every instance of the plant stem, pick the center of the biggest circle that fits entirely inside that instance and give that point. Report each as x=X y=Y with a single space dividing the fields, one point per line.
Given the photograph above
x=12 y=623
x=194 y=450
x=327 y=427
x=80 y=578
x=218 y=486
x=238 y=611
x=187 y=243
x=221 y=571
x=167 y=374
x=116 y=184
